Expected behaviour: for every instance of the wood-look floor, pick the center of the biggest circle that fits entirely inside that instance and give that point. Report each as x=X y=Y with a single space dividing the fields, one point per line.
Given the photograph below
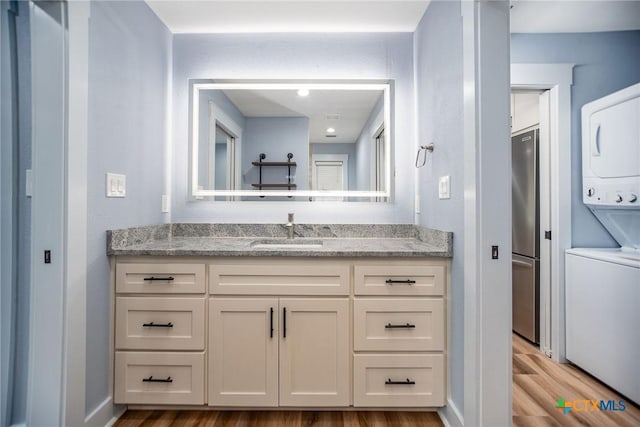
x=538 y=382
x=278 y=419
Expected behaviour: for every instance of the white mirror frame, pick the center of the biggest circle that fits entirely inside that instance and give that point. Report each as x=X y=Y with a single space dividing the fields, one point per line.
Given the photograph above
x=195 y=102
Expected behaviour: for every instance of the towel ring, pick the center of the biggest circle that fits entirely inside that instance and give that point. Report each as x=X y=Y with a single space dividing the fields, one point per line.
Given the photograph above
x=423 y=148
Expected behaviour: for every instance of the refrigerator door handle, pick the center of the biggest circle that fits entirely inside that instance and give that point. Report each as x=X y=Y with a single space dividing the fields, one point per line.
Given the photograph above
x=522 y=263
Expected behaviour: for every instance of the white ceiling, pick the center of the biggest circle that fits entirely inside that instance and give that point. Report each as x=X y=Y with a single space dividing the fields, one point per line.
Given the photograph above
x=260 y=16
x=573 y=16
x=268 y=16
x=346 y=111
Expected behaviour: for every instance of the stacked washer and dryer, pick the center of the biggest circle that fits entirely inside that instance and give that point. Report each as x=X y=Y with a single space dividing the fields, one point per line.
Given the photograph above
x=603 y=285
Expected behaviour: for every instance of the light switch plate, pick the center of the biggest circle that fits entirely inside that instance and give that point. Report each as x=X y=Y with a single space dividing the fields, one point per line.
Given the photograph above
x=116 y=185
x=444 y=189
x=165 y=203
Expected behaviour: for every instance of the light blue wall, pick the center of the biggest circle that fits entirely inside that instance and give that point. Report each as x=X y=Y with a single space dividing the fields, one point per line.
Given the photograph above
x=129 y=57
x=348 y=149
x=438 y=51
x=604 y=63
x=364 y=148
x=294 y=56
x=24 y=226
x=7 y=219
x=16 y=251
x=275 y=137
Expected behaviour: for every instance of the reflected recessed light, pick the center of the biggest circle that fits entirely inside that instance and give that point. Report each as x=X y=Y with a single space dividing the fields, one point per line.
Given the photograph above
x=303 y=92
x=331 y=130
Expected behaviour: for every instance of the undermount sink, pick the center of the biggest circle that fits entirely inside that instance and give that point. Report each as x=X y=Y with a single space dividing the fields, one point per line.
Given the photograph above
x=286 y=244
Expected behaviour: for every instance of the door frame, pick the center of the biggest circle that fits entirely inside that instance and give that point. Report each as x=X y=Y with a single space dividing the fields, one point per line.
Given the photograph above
x=557 y=79
x=487 y=184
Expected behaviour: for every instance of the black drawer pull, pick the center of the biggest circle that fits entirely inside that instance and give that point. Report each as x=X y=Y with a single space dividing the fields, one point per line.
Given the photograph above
x=284 y=322
x=271 y=324
x=403 y=282
x=163 y=279
x=407 y=382
x=158 y=325
x=405 y=326
x=155 y=380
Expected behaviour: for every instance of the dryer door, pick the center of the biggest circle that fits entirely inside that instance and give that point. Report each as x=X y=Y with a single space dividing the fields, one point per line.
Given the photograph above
x=614 y=140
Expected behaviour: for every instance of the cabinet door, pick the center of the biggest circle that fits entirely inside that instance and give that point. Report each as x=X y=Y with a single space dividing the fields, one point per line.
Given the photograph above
x=243 y=352
x=314 y=352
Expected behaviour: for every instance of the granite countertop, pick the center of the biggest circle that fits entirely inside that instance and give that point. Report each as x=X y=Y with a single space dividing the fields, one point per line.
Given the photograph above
x=311 y=240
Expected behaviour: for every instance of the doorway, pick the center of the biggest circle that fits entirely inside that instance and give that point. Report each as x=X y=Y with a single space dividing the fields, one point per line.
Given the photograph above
x=330 y=172
x=531 y=259
x=549 y=85
x=554 y=81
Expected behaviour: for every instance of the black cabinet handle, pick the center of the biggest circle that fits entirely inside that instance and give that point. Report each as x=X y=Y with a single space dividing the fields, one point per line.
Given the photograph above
x=158 y=325
x=271 y=322
x=407 y=382
x=403 y=282
x=153 y=279
x=284 y=322
x=155 y=380
x=405 y=326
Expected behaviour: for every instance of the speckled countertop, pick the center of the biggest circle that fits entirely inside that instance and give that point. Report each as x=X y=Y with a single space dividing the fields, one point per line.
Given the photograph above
x=311 y=240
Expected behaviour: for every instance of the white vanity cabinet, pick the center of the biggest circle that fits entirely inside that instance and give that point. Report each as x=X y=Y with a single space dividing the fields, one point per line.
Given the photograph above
x=288 y=348
x=159 y=333
x=399 y=335
x=302 y=332
x=279 y=352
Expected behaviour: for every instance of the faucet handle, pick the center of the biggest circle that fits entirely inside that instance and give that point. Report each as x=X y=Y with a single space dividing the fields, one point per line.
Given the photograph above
x=290 y=217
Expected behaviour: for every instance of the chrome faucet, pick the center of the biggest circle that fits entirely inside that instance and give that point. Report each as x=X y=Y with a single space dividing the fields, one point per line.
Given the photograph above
x=290 y=226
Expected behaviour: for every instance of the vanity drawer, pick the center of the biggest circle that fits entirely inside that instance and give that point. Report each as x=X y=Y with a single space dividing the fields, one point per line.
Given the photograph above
x=398 y=380
x=160 y=278
x=400 y=279
x=159 y=378
x=398 y=324
x=303 y=278
x=164 y=323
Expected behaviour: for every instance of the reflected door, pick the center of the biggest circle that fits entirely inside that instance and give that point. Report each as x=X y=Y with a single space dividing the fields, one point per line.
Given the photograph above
x=328 y=176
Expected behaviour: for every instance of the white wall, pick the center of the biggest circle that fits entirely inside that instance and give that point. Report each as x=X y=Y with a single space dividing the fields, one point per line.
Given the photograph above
x=297 y=56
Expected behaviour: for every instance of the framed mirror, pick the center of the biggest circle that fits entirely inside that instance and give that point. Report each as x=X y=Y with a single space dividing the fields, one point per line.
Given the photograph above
x=296 y=140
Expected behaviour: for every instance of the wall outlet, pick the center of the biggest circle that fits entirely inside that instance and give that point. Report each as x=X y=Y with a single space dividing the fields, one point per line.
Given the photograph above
x=116 y=185
x=444 y=189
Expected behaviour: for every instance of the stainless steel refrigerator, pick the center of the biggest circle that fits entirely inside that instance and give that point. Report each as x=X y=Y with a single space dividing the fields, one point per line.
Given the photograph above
x=525 y=235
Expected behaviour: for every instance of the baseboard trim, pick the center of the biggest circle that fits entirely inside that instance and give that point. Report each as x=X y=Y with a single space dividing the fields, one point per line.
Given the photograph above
x=450 y=415
x=105 y=415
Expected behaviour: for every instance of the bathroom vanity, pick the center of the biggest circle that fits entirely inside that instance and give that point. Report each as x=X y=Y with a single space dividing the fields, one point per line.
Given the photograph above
x=229 y=316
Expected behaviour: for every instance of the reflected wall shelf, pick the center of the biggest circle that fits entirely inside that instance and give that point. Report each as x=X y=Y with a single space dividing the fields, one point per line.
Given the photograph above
x=289 y=164
x=274 y=185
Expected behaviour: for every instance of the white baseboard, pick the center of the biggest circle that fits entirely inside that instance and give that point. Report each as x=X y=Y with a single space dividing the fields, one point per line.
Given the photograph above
x=105 y=415
x=450 y=415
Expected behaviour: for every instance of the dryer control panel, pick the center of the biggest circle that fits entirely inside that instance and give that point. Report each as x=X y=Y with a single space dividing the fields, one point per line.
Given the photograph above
x=596 y=192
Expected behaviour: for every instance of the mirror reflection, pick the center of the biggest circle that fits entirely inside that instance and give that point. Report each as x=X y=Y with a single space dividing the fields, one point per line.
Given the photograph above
x=319 y=141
